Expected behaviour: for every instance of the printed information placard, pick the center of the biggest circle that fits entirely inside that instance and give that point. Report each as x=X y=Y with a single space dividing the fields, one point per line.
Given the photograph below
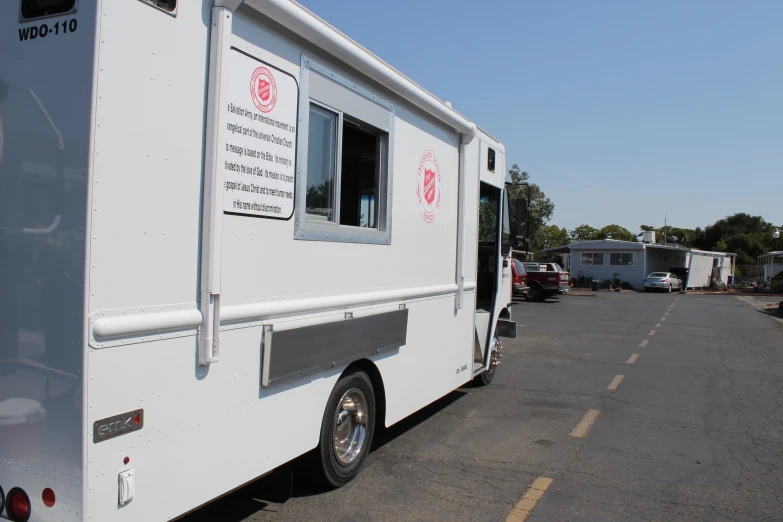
x=259 y=156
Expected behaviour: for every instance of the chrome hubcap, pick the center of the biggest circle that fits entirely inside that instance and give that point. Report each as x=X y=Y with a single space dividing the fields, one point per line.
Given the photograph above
x=350 y=426
x=497 y=354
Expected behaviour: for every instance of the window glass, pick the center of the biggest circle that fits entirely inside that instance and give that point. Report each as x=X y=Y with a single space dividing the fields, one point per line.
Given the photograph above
x=321 y=149
x=491 y=160
x=360 y=174
x=616 y=258
x=592 y=258
x=518 y=265
x=40 y=8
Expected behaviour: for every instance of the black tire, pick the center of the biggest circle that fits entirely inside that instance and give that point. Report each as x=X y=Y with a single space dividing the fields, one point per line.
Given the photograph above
x=535 y=294
x=329 y=470
x=485 y=378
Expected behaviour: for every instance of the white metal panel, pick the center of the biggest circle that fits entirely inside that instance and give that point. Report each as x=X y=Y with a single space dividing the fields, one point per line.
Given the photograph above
x=46 y=72
x=497 y=177
x=700 y=273
x=217 y=427
x=148 y=156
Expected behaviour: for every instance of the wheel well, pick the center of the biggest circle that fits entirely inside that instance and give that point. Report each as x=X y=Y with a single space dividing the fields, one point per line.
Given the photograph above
x=368 y=367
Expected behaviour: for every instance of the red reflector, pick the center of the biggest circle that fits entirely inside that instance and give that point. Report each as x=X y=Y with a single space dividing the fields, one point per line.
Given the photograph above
x=18 y=507
x=136 y=419
x=48 y=497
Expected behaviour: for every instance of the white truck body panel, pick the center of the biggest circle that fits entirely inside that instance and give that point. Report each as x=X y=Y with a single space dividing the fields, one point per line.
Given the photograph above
x=101 y=315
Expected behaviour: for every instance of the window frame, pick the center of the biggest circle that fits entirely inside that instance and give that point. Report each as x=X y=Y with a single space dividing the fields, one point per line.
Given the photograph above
x=156 y=5
x=379 y=115
x=621 y=254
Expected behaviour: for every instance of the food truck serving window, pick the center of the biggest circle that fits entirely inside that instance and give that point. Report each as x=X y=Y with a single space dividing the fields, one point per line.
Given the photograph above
x=32 y=9
x=344 y=184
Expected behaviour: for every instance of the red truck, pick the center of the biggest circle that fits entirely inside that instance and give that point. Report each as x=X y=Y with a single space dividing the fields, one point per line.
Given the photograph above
x=545 y=279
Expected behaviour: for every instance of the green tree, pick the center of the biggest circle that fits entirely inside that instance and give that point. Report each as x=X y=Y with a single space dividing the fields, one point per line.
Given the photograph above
x=584 y=233
x=550 y=236
x=615 y=232
x=681 y=236
x=488 y=219
x=540 y=208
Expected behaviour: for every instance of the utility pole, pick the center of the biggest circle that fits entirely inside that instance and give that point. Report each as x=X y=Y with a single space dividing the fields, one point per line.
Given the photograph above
x=527 y=220
x=665 y=216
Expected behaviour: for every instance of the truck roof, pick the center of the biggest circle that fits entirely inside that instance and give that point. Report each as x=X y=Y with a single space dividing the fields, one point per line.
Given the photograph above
x=317 y=31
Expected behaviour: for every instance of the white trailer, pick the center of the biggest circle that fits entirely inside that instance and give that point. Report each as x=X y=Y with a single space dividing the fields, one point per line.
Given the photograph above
x=229 y=236
x=704 y=267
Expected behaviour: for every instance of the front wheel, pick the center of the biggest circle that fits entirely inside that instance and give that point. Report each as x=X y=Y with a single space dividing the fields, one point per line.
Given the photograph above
x=535 y=294
x=346 y=430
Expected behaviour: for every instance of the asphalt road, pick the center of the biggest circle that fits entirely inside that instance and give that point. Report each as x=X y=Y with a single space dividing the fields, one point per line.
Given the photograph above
x=693 y=431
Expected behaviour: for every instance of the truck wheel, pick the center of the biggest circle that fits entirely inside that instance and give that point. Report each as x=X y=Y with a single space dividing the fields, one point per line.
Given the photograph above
x=346 y=429
x=535 y=294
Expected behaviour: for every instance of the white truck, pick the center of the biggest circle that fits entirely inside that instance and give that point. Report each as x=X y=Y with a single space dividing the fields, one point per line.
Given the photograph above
x=229 y=236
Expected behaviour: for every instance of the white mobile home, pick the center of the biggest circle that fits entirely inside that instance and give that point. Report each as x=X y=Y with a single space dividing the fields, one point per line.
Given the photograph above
x=769 y=265
x=216 y=216
x=631 y=261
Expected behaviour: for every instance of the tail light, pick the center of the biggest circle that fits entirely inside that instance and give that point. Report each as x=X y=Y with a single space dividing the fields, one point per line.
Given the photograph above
x=18 y=505
x=666 y=280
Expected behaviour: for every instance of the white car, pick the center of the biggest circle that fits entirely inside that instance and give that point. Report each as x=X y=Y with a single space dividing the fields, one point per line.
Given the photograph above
x=665 y=281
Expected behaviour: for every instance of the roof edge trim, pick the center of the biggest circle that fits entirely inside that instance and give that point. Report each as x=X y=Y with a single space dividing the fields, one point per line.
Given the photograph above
x=306 y=24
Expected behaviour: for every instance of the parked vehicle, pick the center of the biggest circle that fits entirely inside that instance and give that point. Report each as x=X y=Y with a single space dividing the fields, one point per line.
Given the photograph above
x=545 y=279
x=164 y=338
x=519 y=278
x=663 y=281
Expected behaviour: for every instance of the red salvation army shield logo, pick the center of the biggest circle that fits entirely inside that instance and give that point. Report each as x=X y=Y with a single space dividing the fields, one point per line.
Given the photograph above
x=428 y=186
x=263 y=89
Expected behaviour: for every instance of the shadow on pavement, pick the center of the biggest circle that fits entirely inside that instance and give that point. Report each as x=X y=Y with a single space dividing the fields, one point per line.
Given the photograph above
x=555 y=299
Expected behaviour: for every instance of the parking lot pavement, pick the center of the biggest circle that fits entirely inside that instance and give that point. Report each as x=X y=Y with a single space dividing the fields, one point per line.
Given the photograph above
x=636 y=406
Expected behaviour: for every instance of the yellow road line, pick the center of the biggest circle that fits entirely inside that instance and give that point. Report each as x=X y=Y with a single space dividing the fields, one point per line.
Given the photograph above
x=663 y=319
x=644 y=343
x=528 y=501
x=583 y=426
x=632 y=359
x=615 y=382
x=658 y=325
x=652 y=332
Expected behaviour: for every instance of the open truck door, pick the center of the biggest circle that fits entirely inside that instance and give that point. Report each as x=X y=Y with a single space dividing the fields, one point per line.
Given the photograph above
x=493 y=279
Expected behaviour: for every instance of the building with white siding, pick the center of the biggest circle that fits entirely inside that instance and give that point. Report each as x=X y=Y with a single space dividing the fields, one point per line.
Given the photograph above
x=631 y=262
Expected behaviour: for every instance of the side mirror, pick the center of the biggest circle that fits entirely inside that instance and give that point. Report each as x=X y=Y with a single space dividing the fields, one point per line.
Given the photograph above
x=521 y=210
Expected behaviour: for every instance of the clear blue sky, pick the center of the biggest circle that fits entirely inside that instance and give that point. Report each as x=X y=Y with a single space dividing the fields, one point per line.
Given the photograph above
x=621 y=111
